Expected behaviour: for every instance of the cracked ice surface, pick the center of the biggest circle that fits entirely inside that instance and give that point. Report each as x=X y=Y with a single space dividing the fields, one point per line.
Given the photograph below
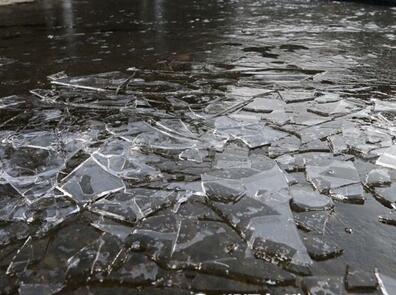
x=213 y=191
x=201 y=178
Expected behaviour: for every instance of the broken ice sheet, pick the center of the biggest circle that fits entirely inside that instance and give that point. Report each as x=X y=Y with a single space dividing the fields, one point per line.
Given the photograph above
x=246 y=91
x=358 y=280
x=378 y=177
x=265 y=105
x=278 y=117
x=388 y=158
x=97 y=82
x=13 y=232
x=290 y=96
x=27 y=254
x=90 y=181
x=193 y=155
x=100 y=101
x=327 y=97
x=165 y=137
x=249 y=129
x=298 y=162
x=384 y=106
x=50 y=212
x=359 y=139
x=32 y=160
x=389 y=218
x=312 y=221
x=133 y=204
x=320 y=131
x=228 y=185
x=93 y=261
x=10 y=102
x=10 y=203
x=332 y=175
x=47 y=258
x=324 y=285
x=209 y=284
x=31 y=171
x=305 y=199
x=285 y=145
x=300 y=115
x=386 y=283
x=133 y=268
x=320 y=249
x=352 y=193
x=156 y=235
x=117 y=229
x=39 y=289
x=120 y=159
x=203 y=241
x=275 y=238
x=248 y=269
x=386 y=195
x=339 y=108
x=233 y=156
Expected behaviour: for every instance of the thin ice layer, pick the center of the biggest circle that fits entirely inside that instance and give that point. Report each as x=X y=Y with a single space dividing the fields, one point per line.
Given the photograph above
x=90 y=181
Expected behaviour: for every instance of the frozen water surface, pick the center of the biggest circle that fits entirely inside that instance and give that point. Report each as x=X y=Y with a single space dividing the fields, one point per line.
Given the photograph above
x=189 y=148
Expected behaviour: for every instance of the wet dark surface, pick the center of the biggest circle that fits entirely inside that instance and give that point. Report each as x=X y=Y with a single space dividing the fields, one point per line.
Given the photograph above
x=230 y=147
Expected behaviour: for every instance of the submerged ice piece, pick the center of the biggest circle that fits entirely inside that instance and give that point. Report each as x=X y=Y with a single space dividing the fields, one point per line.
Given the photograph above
x=90 y=181
x=337 y=178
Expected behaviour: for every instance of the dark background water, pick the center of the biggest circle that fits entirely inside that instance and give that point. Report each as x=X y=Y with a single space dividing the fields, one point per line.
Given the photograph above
x=82 y=37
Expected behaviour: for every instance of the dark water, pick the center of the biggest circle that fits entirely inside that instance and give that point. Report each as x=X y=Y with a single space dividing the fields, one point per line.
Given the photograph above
x=169 y=209
x=83 y=37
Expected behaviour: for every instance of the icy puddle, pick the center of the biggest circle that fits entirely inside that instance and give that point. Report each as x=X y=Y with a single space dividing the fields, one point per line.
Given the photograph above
x=179 y=181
